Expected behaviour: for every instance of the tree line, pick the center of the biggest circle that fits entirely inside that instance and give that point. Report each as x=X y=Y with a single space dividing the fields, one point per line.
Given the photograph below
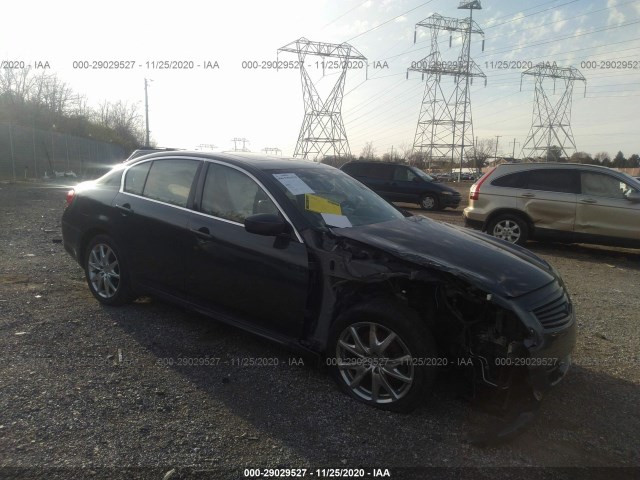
x=44 y=101
x=480 y=155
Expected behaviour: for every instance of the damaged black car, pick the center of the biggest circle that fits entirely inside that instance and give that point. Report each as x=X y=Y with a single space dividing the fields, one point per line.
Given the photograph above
x=304 y=255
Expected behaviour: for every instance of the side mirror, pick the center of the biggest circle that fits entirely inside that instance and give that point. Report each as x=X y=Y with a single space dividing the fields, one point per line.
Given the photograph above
x=633 y=196
x=266 y=224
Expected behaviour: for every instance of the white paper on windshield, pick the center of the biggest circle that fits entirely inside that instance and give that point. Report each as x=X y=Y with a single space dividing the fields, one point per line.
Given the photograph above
x=334 y=220
x=293 y=183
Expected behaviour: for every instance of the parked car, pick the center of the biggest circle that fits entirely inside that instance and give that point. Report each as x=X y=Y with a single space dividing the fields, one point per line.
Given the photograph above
x=402 y=183
x=302 y=254
x=562 y=202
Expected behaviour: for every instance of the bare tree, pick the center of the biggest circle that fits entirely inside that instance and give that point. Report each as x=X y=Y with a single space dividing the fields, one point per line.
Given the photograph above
x=603 y=158
x=405 y=149
x=57 y=95
x=368 y=152
x=478 y=156
x=16 y=85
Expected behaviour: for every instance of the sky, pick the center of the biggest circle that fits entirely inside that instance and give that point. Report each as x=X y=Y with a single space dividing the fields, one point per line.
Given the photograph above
x=189 y=107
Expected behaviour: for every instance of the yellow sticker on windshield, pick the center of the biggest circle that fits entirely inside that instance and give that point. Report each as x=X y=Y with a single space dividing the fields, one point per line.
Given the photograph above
x=317 y=204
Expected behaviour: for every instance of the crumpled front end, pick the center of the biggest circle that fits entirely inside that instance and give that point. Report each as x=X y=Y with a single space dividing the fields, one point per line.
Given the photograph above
x=512 y=329
x=506 y=339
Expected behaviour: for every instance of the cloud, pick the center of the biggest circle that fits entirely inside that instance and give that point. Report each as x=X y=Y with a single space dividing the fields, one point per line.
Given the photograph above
x=615 y=16
x=558 y=21
x=401 y=19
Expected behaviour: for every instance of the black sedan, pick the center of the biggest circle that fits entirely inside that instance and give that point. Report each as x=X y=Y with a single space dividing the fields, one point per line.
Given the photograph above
x=307 y=256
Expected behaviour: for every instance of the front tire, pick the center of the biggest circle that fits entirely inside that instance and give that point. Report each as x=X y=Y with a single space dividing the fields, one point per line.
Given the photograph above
x=511 y=228
x=429 y=202
x=381 y=354
x=105 y=272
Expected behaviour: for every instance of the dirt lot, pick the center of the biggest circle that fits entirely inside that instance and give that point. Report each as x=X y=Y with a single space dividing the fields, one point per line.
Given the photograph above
x=88 y=391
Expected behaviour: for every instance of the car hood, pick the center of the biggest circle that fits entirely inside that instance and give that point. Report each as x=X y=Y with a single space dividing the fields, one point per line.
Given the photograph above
x=491 y=264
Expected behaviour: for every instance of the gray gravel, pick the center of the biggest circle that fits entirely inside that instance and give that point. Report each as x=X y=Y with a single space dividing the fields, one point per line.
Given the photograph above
x=88 y=391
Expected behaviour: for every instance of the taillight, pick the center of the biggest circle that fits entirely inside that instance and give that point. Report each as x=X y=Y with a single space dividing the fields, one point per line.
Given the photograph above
x=474 y=193
x=70 y=194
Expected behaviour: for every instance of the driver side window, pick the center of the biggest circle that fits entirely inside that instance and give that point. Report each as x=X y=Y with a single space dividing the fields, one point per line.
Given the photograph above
x=600 y=185
x=232 y=195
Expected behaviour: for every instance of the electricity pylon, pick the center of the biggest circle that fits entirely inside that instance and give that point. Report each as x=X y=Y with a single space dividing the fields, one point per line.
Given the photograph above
x=322 y=132
x=551 y=124
x=445 y=126
x=272 y=150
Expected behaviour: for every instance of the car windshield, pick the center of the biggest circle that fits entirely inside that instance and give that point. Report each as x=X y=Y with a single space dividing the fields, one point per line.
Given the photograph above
x=420 y=173
x=329 y=197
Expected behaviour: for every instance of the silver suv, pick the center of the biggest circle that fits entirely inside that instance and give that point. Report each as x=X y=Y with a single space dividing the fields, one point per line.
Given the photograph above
x=557 y=201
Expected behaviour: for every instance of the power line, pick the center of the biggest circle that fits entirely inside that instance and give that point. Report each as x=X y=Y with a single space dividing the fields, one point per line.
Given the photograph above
x=390 y=20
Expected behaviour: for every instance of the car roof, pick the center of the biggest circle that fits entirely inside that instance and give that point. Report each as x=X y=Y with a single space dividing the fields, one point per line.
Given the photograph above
x=241 y=159
x=553 y=165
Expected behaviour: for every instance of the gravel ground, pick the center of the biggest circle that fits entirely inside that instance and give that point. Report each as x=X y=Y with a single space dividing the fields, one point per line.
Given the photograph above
x=88 y=391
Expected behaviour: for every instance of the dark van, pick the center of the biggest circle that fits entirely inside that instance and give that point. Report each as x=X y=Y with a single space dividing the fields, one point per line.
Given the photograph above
x=402 y=183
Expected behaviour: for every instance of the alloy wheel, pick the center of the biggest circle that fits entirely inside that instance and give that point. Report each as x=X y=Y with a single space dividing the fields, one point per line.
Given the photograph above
x=507 y=230
x=103 y=270
x=374 y=362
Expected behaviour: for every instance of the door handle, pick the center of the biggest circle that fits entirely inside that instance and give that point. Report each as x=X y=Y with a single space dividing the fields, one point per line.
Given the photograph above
x=203 y=233
x=587 y=200
x=125 y=208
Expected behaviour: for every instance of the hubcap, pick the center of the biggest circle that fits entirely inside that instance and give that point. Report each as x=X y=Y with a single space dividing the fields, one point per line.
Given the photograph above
x=428 y=203
x=507 y=230
x=104 y=270
x=374 y=362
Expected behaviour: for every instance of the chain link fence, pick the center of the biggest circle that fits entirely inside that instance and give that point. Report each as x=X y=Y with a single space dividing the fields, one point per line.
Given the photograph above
x=32 y=153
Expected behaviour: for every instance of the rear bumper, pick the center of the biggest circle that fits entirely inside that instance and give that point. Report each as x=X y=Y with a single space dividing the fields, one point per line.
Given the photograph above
x=473 y=219
x=71 y=238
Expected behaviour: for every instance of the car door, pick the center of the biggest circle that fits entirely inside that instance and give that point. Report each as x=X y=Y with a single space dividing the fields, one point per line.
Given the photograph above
x=152 y=219
x=549 y=198
x=603 y=208
x=404 y=185
x=258 y=279
x=379 y=178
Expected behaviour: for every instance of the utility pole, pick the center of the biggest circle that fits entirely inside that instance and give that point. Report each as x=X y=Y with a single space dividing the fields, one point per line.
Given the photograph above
x=496 y=155
x=146 y=112
x=513 y=154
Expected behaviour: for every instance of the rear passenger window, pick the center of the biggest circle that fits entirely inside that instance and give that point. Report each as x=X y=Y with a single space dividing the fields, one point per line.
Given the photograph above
x=380 y=172
x=136 y=176
x=552 y=180
x=513 y=180
x=170 y=181
x=357 y=169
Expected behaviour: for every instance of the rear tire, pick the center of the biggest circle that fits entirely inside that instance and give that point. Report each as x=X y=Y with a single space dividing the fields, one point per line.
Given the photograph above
x=105 y=272
x=511 y=228
x=381 y=354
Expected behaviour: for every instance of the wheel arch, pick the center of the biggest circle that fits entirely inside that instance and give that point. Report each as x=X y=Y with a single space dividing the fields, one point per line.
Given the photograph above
x=86 y=238
x=413 y=298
